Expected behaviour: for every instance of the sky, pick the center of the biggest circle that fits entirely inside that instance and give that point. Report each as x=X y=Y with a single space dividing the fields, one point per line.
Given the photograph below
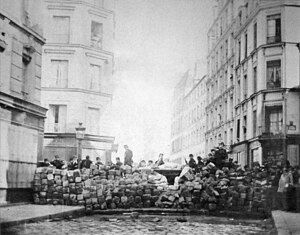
x=156 y=41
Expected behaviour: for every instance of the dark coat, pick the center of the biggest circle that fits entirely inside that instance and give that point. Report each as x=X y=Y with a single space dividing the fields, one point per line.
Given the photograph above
x=192 y=163
x=73 y=165
x=57 y=163
x=128 y=157
x=86 y=164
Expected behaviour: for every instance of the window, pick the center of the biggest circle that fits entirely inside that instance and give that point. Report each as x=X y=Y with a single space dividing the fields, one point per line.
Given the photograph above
x=238 y=130
x=225 y=110
x=273 y=74
x=255 y=79
x=255 y=36
x=239 y=51
x=245 y=88
x=25 y=68
x=274 y=119
x=57 y=115
x=95 y=77
x=245 y=127
x=231 y=107
x=246 y=45
x=221 y=28
x=217 y=60
x=226 y=49
x=240 y=18
x=96 y=34
x=254 y=123
x=61 y=29
x=231 y=136
x=238 y=92
x=59 y=73
x=274 y=29
x=93 y=117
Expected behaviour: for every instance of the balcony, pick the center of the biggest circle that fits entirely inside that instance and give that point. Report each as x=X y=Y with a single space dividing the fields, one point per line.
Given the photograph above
x=56 y=128
x=273 y=130
x=274 y=39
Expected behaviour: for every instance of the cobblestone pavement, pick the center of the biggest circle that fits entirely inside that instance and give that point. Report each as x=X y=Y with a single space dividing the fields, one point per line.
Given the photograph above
x=144 y=225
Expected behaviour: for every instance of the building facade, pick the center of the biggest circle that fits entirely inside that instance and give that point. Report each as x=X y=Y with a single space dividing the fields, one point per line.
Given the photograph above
x=188 y=118
x=77 y=83
x=21 y=114
x=265 y=75
x=220 y=80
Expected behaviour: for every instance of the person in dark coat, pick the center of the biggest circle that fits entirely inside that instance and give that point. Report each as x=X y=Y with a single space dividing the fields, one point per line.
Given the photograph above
x=73 y=164
x=192 y=162
x=160 y=160
x=118 y=163
x=57 y=163
x=86 y=163
x=223 y=151
x=200 y=163
x=128 y=156
x=98 y=162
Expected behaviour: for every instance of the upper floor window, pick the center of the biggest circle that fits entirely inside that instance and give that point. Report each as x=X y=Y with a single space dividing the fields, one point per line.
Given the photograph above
x=240 y=18
x=245 y=86
x=59 y=76
x=61 y=29
x=93 y=116
x=273 y=74
x=96 y=34
x=239 y=51
x=255 y=36
x=56 y=118
x=255 y=79
x=95 y=77
x=246 y=45
x=273 y=28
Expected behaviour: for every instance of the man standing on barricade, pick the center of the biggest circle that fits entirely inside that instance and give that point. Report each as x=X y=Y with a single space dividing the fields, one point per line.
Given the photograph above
x=128 y=156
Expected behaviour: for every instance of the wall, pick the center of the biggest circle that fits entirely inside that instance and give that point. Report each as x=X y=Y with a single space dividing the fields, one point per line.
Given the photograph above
x=21 y=116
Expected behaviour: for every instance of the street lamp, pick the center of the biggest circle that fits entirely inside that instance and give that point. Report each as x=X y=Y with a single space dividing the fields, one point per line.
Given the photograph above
x=80 y=131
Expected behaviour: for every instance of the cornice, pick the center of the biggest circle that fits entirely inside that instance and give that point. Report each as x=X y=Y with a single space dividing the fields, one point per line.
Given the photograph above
x=76 y=90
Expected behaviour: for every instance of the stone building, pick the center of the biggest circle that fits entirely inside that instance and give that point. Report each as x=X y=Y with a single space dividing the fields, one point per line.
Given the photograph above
x=21 y=114
x=220 y=80
x=188 y=118
x=264 y=71
x=77 y=83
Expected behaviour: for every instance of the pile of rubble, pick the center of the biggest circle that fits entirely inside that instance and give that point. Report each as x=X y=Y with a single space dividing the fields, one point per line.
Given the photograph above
x=240 y=191
x=103 y=189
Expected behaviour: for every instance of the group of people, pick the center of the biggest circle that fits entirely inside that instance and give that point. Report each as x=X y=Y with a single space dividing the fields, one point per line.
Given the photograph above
x=285 y=179
x=218 y=156
x=87 y=162
x=151 y=164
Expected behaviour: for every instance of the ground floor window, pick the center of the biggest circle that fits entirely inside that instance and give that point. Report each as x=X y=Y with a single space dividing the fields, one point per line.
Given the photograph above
x=256 y=156
x=293 y=154
x=273 y=153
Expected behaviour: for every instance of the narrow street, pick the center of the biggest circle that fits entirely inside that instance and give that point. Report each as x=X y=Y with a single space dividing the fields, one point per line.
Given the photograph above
x=145 y=225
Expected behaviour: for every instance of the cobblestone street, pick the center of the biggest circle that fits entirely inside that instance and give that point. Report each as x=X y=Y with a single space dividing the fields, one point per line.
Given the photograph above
x=144 y=225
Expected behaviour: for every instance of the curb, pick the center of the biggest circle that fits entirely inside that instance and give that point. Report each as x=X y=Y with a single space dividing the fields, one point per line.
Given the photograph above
x=73 y=213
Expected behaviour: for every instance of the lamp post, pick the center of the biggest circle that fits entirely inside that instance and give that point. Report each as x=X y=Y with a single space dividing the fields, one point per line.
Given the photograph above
x=80 y=131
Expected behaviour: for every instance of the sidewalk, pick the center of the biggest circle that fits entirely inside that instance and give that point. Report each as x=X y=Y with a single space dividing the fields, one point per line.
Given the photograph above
x=16 y=214
x=286 y=223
